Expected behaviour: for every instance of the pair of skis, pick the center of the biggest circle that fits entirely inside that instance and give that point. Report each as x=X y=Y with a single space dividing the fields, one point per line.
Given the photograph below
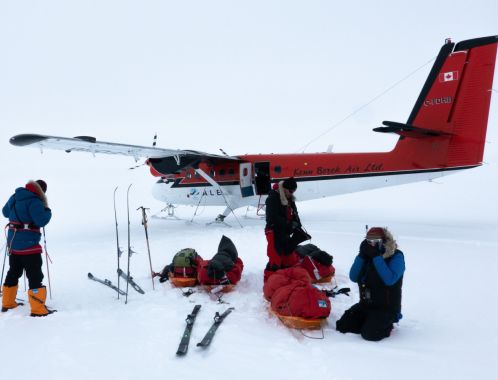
x=127 y=276
x=108 y=283
x=206 y=341
x=121 y=274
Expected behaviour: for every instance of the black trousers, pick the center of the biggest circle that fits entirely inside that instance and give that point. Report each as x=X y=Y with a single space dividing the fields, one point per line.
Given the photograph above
x=372 y=324
x=32 y=264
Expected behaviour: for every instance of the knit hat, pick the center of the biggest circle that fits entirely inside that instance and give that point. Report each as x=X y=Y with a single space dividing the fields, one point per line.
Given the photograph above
x=42 y=184
x=375 y=233
x=290 y=184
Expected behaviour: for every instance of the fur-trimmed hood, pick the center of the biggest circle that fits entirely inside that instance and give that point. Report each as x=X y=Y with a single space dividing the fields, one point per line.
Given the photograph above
x=389 y=244
x=283 y=198
x=35 y=188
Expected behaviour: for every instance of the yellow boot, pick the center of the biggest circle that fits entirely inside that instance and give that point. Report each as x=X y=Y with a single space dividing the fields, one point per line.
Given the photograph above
x=9 y=298
x=37 y=299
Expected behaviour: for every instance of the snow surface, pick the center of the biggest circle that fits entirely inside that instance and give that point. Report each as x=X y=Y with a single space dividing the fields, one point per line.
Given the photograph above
x=256 y=77
x=448 y=329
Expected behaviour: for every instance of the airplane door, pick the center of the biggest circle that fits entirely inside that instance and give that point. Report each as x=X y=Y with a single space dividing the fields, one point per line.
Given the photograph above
x=246 y=188
x=262 y=179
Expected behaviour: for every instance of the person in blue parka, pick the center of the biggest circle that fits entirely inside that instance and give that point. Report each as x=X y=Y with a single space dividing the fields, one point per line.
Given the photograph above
x=27 y=210
x=378 y=269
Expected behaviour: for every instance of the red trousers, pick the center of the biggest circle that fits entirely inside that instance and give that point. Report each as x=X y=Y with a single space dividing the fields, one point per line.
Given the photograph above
x=277 y=261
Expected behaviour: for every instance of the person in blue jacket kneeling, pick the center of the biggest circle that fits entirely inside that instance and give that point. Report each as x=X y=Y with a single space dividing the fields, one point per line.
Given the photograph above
x=378 y=269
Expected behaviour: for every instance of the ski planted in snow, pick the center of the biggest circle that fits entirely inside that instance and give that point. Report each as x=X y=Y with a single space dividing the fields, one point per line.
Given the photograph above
x=129 y=246
x=119 y=251
x=183 y=347
x=130 y=281
x=218 y=319
x=106 y=282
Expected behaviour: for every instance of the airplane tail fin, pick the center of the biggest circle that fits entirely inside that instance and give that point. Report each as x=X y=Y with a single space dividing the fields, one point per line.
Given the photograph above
x=447 y=126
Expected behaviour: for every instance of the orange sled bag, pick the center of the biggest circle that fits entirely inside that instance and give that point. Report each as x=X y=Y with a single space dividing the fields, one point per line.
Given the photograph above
x=295 y=301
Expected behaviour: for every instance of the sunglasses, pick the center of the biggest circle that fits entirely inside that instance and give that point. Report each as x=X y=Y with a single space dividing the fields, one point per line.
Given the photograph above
x=374 y=241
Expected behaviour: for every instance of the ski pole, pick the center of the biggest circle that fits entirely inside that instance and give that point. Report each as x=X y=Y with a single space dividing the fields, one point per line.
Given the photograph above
x=7 y=251
x=144 y=223
x=3 y=266
x=47 y=260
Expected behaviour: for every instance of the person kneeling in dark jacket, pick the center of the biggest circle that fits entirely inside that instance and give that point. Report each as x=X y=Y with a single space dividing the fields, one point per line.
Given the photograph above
x=378 y=269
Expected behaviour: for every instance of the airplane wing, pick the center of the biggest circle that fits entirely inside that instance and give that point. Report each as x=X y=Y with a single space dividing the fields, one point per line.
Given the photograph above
x=91 y=145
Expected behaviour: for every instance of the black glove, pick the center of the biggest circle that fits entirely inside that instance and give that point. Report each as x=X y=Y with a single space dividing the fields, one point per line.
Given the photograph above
x=368 y=251
x=164 y=275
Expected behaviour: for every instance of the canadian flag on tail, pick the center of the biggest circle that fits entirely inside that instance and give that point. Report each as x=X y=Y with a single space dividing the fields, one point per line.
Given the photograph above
x=448 y=76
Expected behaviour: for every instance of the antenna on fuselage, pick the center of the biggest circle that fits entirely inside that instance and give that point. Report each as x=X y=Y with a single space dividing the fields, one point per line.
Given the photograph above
x=224 y=153
x=154 y=140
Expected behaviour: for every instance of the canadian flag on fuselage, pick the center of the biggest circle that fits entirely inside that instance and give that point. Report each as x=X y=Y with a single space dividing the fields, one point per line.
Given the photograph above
x=448 y=76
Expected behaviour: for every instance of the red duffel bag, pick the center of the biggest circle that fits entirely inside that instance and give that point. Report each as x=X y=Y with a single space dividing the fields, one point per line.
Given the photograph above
x=291 y=294
x=284 y=277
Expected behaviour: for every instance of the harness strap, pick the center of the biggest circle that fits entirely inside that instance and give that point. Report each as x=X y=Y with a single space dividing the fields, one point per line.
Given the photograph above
x=23 y=226
x=19 y=225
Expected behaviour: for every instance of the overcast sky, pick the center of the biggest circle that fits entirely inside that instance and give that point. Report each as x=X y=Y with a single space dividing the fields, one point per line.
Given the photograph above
x=245 y=76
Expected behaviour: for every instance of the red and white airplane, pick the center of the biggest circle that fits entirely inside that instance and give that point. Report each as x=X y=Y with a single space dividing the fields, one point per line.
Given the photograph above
x=445 y=133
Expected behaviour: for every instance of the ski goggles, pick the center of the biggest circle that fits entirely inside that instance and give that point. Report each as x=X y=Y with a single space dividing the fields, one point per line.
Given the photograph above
x=374 y=241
